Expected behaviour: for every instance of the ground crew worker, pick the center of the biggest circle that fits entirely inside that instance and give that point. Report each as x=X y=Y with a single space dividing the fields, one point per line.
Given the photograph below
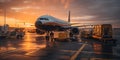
x=52 y=39
x=47 y=39
x=52 y=36
x=19 y=34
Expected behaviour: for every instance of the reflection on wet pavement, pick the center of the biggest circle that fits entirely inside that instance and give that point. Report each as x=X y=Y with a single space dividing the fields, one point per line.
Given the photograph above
x=28 y=44
x=96 y=50
x=35 y=47
x=102 y=48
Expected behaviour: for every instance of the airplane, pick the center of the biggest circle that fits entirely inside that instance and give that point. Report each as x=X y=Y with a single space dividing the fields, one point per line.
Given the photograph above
x=49 y=23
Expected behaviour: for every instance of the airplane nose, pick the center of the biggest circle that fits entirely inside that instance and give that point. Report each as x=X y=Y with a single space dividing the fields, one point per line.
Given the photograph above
x=38 y=24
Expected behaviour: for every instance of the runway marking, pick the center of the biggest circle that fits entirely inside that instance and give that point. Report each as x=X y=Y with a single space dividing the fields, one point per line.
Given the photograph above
x=6 y=52
x=76 y=54
x=32 y=52
x=68 y=50
x=98 y=52
x=100 y=59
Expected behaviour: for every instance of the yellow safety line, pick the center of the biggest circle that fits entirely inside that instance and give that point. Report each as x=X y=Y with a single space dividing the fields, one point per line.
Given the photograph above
x=76 y=54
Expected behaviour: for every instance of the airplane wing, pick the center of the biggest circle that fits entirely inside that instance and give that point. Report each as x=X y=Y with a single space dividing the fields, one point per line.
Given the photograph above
x=81 y=24
x=74 y=23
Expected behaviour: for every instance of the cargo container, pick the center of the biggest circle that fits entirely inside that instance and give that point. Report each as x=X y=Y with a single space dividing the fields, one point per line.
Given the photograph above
x=102 y=32
x=61 y=35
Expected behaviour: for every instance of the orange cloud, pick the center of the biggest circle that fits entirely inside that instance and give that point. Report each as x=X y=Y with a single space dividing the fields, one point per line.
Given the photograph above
x=65 y=3
x=30 y=10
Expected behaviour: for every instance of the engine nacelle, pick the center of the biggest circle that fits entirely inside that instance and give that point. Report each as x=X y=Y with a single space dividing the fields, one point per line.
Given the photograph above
x=39 y=32
x=74 y=31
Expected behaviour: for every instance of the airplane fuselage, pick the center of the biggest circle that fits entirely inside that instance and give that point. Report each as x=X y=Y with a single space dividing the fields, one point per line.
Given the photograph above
x=47 y=22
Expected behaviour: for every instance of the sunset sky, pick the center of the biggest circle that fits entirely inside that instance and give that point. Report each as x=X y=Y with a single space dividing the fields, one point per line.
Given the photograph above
x=83 y=11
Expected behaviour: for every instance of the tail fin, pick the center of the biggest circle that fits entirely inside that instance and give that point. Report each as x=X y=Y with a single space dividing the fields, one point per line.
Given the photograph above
x=69 y=17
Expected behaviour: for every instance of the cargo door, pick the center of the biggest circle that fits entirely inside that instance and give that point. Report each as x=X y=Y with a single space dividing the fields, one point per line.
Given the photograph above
x=107 y=31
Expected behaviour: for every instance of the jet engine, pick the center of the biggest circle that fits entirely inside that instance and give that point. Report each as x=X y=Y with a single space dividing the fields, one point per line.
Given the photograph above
x=74 y=31
x=39 y=32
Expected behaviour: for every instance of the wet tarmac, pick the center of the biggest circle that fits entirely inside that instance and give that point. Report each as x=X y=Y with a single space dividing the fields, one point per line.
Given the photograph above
x=35 y=47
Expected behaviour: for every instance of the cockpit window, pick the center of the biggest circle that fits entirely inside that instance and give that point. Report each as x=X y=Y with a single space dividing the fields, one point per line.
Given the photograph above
x=43 y=18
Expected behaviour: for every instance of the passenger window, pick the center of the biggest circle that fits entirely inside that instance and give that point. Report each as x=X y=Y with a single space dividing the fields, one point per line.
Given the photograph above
x=44 y=19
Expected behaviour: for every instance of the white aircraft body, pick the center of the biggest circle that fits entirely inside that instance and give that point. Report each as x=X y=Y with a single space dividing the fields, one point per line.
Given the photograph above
x=50 y=20
x=50 y=23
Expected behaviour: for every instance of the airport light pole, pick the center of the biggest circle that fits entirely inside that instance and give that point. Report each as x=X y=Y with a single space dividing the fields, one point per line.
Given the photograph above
x=4 y=9
x=4 y=16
